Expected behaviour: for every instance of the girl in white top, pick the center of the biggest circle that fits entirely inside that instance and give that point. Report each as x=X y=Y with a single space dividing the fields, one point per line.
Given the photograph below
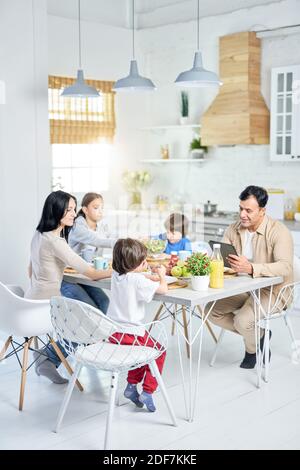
x=131 y=289
x=50 y=254
x=89 y=235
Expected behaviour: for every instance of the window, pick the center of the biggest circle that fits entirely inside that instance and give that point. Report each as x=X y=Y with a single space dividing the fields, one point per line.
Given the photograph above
x=81 y=132
x=80 y=168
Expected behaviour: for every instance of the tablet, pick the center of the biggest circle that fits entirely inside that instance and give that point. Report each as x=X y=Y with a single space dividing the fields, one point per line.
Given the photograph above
x=226 y=249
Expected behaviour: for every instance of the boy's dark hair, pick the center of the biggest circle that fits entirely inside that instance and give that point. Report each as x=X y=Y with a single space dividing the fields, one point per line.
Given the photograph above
x=259 y=193
x=177 y=222
x=128 y=254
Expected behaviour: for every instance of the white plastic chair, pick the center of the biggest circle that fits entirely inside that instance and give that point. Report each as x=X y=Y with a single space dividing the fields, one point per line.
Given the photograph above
x=85 y=333
x=23 y=318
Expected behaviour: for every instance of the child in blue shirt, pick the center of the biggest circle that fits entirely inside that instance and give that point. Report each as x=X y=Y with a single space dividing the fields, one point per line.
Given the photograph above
x=176 y=230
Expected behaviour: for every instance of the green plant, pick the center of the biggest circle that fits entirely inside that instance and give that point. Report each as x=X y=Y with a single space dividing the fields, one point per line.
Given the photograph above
x=136 y=180
x=196 y=144
x=184 y=104
x=198 y=264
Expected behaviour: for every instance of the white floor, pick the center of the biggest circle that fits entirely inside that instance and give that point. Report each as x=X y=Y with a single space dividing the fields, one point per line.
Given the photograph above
x=232 y=413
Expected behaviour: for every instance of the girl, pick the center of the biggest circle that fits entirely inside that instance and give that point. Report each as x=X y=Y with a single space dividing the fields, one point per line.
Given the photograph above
x=131 y=290
x=50 y=254
x=89 y=235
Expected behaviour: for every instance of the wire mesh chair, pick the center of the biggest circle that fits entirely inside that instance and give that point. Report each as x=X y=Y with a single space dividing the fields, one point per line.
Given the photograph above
x=94 y=340
x=287 y=298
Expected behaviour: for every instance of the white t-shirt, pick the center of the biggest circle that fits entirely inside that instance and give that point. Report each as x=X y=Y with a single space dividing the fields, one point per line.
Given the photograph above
x=248 y=249
x=129 y=293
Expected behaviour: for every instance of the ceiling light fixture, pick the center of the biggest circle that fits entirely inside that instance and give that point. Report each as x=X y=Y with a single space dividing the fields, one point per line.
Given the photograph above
x=134 y=82
x=80 y=89
x=197 y=76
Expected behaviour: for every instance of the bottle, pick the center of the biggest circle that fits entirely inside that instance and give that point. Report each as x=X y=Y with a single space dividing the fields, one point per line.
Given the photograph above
x=217 y=268
x=289 y=210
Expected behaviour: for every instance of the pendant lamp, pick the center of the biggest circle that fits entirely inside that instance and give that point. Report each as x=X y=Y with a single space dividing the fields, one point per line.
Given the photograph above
x=133 y=82
x=197 y=76
x=80 y=89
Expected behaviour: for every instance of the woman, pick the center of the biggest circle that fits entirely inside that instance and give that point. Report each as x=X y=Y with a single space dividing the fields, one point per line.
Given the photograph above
x=50 y=254
x=88 y=237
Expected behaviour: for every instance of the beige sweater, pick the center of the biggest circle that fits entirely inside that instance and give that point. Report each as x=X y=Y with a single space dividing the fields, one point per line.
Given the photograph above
x=50 y=254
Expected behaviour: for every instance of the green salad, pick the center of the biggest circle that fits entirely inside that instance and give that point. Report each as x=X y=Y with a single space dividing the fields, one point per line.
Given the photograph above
x=154 y=246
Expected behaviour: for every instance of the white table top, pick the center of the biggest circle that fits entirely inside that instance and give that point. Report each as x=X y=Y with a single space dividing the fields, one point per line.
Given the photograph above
x=191 y=298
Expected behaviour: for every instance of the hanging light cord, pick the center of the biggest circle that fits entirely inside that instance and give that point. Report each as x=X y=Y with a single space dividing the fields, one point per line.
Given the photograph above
x=198 y=42
x=133 y=50
x=79 y=34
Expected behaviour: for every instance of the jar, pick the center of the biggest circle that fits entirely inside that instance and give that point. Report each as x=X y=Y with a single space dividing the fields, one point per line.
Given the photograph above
x=289 y=210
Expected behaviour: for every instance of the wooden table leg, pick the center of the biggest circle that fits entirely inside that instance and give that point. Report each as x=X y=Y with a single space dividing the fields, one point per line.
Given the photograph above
x=207 y=324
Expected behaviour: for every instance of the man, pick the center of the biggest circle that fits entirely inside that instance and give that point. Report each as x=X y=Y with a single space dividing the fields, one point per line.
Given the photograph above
x=265 y=248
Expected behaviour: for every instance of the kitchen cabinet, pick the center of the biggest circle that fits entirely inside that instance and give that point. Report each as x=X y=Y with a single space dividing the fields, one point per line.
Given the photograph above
x=285 y=113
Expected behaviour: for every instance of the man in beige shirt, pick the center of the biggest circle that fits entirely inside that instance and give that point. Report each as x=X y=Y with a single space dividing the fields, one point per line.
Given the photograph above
x=265 y=248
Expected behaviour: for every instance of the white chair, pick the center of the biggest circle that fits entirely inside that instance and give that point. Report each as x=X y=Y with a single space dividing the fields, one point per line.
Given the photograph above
x=85 y=333
x=287 y=298
x=28 y=319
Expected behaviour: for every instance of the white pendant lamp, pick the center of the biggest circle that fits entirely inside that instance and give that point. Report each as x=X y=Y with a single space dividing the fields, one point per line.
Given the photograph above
x=80 y=89
x=133 y=82
x=197 y=76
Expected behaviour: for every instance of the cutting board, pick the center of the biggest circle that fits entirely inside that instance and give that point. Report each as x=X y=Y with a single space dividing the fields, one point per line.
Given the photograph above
x=177 y=285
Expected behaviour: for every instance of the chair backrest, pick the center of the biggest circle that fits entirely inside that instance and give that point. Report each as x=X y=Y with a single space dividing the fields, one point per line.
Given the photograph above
x=287 y=297
x=16 y=289
x=79 y=325
x=23 y=317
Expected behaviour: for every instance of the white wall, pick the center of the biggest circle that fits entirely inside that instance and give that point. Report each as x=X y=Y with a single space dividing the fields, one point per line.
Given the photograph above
x=162 y=53
x=24 y=148
x=169 y=50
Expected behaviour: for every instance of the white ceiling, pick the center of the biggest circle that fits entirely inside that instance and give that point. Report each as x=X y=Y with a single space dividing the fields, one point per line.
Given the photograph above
x=149 y=13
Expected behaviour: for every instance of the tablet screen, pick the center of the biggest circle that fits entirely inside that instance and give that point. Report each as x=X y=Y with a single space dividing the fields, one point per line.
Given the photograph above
x=226 y=249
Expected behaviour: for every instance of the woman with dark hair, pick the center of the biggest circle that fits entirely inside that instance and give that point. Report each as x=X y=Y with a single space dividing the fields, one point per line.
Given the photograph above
x=50 y=254
x=88 y=237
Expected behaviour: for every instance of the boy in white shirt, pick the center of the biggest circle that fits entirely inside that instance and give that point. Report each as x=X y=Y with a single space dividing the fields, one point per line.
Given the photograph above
x=130 y=291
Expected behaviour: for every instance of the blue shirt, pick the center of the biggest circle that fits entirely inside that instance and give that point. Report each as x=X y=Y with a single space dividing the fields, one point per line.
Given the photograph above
x=183 y=244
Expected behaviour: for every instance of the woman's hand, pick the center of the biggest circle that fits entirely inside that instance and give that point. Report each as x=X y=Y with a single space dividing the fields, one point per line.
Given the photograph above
x=97 y=274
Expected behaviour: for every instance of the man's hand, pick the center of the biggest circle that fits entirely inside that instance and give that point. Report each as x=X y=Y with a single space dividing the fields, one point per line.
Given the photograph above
x=240 y=264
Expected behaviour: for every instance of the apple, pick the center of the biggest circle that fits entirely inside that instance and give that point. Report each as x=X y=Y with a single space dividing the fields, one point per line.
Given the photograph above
x=176 y=271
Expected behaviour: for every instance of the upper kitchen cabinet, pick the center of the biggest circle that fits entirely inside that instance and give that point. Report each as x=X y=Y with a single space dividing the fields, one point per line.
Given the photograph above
x=285 y=114
x=238 y=114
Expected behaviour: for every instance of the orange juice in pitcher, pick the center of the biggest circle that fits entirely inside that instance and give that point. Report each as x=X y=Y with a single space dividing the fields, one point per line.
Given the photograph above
x=217 y=268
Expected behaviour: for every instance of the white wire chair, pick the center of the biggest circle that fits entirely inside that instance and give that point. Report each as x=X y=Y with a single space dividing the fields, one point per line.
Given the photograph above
x=87 y=335
x=287 y=298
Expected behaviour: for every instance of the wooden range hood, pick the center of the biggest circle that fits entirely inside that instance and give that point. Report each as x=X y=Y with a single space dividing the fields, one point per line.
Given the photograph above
x=238 y=114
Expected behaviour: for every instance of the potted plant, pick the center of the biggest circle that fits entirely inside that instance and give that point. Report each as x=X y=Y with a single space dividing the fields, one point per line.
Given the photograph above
x=197 y=150
x=199 y=265
x=184 y=107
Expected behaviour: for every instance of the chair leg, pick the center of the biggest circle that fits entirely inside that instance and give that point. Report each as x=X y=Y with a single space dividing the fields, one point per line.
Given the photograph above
x=157 y=315
x=289 y=326
x=156 y=373
x=214 y=356
x=5 y=347
x=186 y=333
x=24 y=372
x=67 y=397
x=65 y=362
x=111 y=405
x=174 y=320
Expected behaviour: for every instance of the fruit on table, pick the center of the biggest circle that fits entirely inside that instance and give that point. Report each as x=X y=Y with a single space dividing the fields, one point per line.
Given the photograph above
x=176 y=271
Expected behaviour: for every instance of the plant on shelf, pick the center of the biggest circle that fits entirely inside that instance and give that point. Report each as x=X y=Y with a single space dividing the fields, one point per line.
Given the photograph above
x=197 y=150
x=199 y=265
x=133 y=182
x=184 y=101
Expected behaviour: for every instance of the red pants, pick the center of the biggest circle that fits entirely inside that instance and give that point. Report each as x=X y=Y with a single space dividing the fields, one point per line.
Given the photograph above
x=136 y=376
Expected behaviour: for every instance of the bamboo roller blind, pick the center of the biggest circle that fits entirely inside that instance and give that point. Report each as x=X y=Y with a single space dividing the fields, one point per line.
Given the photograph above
x=81 y=120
